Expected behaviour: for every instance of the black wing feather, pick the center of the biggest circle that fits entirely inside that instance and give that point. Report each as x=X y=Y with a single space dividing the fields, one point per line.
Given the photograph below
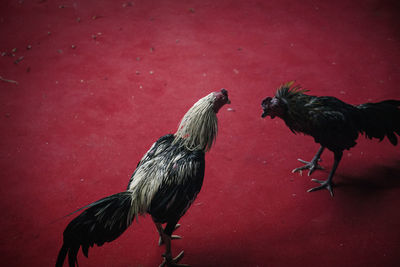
x=329 y=120
x=177 y=193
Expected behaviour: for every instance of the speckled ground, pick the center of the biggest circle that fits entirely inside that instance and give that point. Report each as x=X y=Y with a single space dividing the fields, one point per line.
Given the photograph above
x=87 y=86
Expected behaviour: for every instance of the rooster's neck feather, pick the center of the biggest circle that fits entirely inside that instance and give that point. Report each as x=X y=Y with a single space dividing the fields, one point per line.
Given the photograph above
x=198 y=128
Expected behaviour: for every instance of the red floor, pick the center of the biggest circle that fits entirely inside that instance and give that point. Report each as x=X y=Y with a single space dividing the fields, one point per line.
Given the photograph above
x=102 y=80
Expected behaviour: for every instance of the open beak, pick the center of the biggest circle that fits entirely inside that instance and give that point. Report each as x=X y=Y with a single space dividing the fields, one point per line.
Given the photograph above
x=265 y=114
x=264 y=104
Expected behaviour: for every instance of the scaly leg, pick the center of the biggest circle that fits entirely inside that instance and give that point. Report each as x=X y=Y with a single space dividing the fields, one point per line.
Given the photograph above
x=327 y=184
x=160 y=229
x=168 y=260
x=312 y=165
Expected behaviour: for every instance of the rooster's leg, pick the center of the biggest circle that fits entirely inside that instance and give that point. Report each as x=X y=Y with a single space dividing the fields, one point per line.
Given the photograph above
x=311 y=165
x=166 y=238
x=327 y=184
x=160 y=230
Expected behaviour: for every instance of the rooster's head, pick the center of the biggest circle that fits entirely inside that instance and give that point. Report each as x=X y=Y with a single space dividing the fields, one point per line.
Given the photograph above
x=278 y=105
x=221 y=98
x=273 y=106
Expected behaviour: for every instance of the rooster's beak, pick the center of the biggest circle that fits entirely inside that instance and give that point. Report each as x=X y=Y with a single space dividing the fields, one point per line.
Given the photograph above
x=265 y=114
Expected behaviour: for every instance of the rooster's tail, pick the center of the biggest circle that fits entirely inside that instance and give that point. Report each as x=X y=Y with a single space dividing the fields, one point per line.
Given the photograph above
x=102 y=221
x=381 y=119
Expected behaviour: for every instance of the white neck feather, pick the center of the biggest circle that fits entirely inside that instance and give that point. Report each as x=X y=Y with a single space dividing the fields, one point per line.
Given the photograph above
x=198 y=128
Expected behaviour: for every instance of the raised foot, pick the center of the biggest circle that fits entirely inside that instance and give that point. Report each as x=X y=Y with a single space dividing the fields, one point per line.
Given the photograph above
x=310 y=165
x=161 y=241
x=173 y=262
x=324 y=185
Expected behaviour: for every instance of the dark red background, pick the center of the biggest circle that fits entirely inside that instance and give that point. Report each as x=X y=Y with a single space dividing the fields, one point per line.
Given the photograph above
x=79 y=119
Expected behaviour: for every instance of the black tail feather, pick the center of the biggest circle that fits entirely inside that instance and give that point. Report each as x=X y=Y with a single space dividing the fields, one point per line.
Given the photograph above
x=72 y=256
x=381 y=119
x=61 y=255
x=103 y=221
x=392 y=138
x=85 y=250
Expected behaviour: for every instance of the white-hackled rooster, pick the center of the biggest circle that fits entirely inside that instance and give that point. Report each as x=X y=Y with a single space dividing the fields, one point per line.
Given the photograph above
x=165 y=183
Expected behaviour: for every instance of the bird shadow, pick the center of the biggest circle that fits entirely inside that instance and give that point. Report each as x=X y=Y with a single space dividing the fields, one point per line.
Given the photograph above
x=371 y=180
x=217 y=256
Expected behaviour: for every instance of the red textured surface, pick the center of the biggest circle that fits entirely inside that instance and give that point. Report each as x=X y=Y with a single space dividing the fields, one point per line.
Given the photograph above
x=79 y=119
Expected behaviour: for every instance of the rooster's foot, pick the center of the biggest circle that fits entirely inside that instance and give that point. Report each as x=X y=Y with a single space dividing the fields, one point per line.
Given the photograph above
x=173 y=262
x=161 y=241
x=310 y=165
x=324 y=185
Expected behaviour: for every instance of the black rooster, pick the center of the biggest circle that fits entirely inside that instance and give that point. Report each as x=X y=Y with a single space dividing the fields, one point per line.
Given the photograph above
x=165 y=183
x=333 y=124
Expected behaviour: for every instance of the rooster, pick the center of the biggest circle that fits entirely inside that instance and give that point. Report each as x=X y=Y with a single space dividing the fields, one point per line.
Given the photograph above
x=165 y=183
x=334 y=124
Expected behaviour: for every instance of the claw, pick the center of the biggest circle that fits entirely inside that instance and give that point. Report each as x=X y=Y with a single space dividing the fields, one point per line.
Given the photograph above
x=169 y=262
x=310 y=165
x=303 y=161
x=324 y=185
x=300 y=170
